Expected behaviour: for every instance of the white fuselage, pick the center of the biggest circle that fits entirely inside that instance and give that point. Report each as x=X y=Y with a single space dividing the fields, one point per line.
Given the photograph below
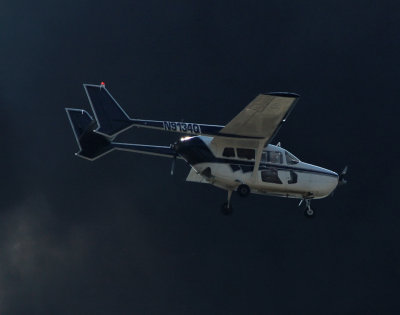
x=279 y=172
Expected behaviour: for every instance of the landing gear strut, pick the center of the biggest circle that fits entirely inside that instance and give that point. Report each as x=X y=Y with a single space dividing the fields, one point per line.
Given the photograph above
x=226 y=207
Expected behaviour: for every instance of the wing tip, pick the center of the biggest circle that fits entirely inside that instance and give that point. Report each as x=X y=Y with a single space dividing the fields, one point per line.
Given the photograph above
x=283 y=94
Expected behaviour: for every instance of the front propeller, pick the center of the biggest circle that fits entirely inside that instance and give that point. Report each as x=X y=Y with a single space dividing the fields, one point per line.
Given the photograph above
x=342 y=180
x=342 y=176
x=173 y=165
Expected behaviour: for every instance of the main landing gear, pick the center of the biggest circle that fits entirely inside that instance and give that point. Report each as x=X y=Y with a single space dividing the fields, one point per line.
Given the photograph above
x=308 y=212
x=226 y=207
x=243 y=191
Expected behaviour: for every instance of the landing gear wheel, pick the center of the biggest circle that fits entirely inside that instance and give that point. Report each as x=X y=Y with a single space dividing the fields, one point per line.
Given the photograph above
x=309 y=213
x=243 y=190
x=226 y=209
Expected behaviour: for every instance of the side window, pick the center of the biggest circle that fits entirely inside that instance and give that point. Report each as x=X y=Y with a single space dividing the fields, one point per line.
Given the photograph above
x=270 y=176
x=249 y=154
x=264 y=157
x=228 y=152
x=274 y=157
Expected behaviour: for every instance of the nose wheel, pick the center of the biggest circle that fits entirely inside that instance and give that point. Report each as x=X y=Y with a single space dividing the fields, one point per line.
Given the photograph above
x=308 y=212
x=226 y=207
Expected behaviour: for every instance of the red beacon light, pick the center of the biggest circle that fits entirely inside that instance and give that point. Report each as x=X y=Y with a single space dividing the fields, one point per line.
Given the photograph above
x=102 y=84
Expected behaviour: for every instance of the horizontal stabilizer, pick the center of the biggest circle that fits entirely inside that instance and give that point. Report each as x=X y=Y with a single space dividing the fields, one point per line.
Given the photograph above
x=110 y=116
x=91 y=145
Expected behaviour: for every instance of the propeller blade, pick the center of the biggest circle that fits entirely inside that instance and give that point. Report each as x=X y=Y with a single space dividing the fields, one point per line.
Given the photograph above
x=173 y=165
x=342 y=179
x=173 y=147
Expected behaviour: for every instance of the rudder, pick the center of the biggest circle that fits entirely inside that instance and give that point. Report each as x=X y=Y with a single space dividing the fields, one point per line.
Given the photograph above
x=91 y=144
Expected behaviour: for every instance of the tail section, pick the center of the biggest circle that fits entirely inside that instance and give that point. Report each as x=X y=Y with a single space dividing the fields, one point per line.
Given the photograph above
x=111 y=118
x=91 y=144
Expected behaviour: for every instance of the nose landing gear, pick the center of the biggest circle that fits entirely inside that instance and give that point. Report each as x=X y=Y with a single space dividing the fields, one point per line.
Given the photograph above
x=308 y=212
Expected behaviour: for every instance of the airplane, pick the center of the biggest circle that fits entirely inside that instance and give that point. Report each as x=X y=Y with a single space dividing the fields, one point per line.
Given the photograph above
x=236 y=157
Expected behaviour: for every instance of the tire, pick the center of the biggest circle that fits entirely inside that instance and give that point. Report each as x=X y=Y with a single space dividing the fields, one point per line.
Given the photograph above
x=243 y=190
x=309 y=213
x=225 y=209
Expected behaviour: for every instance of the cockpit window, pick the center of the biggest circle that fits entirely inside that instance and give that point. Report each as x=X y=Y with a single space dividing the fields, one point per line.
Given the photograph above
x=275 y=157
x=228 y=152
x=272 y=157
x=291 y=159
x=249 y=154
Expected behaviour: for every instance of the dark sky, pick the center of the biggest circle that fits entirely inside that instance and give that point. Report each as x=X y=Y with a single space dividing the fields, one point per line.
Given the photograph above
x=120 y=235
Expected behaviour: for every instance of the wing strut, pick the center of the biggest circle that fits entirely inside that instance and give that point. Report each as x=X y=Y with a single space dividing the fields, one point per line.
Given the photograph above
x=258 y=159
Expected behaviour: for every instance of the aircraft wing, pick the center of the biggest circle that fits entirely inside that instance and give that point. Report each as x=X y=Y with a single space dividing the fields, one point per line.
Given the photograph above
x=262 y=118
x=257 y=124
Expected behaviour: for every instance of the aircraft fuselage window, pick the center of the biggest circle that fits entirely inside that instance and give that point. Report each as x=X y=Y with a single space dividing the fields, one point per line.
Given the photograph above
x=291 y=159
x=270 y=176
x=264 y=157
x=228 y=152
x=274 y=157
x=249 y=154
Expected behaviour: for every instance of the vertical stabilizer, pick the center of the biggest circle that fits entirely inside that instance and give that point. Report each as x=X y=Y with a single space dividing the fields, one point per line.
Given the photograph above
x=91 y=145
x=110 y=116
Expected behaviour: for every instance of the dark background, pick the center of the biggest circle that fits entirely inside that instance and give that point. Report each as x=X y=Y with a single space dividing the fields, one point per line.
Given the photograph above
x=120 y=235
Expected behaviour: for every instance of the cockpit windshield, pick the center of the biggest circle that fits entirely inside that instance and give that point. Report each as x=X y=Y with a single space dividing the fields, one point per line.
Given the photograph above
x=291 y=159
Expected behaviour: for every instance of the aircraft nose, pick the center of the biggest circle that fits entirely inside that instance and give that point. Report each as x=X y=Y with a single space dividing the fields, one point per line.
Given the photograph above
x=324 y=182
x=328 y=183
x=328 y=172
